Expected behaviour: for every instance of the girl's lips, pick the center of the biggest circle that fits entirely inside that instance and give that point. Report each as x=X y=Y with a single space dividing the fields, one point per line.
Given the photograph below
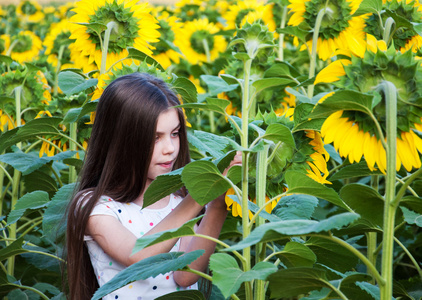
x=167 y=164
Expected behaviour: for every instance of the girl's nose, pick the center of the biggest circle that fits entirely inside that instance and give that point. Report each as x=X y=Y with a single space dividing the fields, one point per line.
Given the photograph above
x=168 y=147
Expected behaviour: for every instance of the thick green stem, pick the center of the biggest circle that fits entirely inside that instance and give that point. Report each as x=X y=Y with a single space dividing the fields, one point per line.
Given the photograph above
x=72 y=147
x=281 y=36
x=15 y=181
x=371 y=238
x=245 y=179
x=389 y=24
x=110 y=26
x=260 y=248
x=390 y=94
x=312 y=66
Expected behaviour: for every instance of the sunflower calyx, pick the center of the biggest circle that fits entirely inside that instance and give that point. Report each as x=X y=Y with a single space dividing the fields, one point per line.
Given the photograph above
x=253 y=41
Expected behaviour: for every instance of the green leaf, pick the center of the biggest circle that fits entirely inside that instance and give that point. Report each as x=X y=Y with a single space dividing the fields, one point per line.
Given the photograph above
x=209 y=143
x=183 y=295
x=163 y=186
x=355 y=170
x=372 y=290
x=299 y=183
x=277 y=230
x=186 y=89
x=96 y=27
x=228 y=277
x=13 y=249
x=265 y=83
x=148 y=267
x=365 y=201
x=411 y=217
x=29 y=162
x=280 y=69
x=39 y=180
x=217 y=85
x=332 y=254
x=186 y=229
x=278 y=132
x=139 y=55
x=301 y=118
x=293 y=207
x=6 y=59
x=369 y=6
x=34 y=200
x=296 y=254
x=54 y=221
x=343 y=100
x=212 y=104
x=295 y=281
x=35 y=127
x=254 y=208
x=204 y=181
x=73 y=83
x=75 y=114
x=295 y=31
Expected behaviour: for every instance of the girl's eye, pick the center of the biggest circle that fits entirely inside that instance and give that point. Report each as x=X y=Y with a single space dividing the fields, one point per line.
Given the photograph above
x=175 y=134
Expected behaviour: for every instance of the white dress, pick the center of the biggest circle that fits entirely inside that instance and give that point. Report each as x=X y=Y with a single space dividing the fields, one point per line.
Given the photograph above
x=138 y=221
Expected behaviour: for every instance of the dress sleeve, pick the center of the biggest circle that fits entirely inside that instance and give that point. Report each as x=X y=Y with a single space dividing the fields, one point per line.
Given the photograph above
x=104 y=206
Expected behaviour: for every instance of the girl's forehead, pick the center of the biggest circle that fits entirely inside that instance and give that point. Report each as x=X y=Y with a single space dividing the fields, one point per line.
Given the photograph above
x=168 y=120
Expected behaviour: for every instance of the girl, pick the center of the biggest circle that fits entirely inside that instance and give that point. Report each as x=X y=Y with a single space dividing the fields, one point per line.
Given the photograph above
x=137 y=135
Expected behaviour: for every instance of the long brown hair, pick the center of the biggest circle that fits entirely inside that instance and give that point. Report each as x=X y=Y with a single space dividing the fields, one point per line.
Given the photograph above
x=117 y=161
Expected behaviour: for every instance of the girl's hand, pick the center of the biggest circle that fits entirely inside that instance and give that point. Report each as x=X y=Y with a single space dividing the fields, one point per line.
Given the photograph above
x=237 y=161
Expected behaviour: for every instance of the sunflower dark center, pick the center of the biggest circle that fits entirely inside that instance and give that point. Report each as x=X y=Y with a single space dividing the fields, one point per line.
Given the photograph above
x=335 y=20
x=201 y=38
x=127 y=27
x=167 y=36
x=23 y=44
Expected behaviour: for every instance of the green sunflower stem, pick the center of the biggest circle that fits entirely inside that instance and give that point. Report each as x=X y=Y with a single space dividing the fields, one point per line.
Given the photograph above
x=261 y=176
x=390 y=93
x=245 y=179
x=73 y=147
x=312 y=66
x=280 y=55
x=12 y=45
x=59 y=65
x=388 y=30
x=15 y=181
x=110 y=27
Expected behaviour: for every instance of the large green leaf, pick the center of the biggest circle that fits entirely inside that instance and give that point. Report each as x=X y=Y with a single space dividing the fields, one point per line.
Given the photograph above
x=278 y=132
x=296 y=254
x=371 y=289
x=410 y=217
x=299 y=183
x=75 y=114
x=148 y=267
x=186 y=229
x=13 y=249
x=139 y=55
x=40 y=180
x=228 y=277
x=355 y=170
x=35 y=127
x=217 y=85
x=204 y=181
x=295 y=281
x=183 y=295
x=293 y=207
x=29 y=162
x=73 y=83
x=301 y=118
x=265 y=83
x=277 y=230
x=332 y=254
x=163 y=186
x=369 y=6
x=343 y=100
x=32 y=200
x=213 y=104
x=365 y=201
x=54 y=221
x=210 y=143
x=186 y=89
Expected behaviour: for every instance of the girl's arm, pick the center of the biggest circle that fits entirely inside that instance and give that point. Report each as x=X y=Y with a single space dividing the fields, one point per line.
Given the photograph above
x=118 y=242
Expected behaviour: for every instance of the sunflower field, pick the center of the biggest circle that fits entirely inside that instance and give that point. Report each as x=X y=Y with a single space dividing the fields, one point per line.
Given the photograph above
x=323 y=98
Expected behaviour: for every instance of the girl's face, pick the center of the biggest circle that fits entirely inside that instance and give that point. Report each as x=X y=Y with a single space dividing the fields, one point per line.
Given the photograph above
x=167 y=144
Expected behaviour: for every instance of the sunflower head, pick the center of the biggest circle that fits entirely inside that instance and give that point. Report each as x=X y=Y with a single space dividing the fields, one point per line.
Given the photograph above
x=26 y=46
x=254 y=40
x=29 y=11
x=56 y=41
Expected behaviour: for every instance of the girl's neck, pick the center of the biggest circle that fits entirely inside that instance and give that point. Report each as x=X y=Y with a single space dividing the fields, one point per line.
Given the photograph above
x=157 y=205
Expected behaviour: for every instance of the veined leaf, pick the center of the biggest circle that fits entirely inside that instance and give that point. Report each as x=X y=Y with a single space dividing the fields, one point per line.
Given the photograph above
x=411 y=217
x=73 y=83
x=148 y=267
x=186 y=89
x=163 y=186
x=277 y=230
x=75 y=114
x=217 y=84
x=141 y=56
x=204 y=181
x=34 y=200
x=296 y=254
x=265 y=83
x=210 y=143
x=13 y=249
x=355 y=170
x=228 y=277
x=212 y=104
x=279 y=132
x=293 y=207
x=369 y=6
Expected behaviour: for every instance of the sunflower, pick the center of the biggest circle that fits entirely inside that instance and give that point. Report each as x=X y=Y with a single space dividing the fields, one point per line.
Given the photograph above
x=353 y=133
x=200 y=42
x=318 y=165
x=170 y=29
x=189 y=10
x=339 y=30
x=237 y=14
x=4 y=43
x=287 y=107
x=29 y=11
x=58 y=37
x=81 y=61
x=26 y=46
x=6 y=121
x=404 y=36
x=136 y=28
